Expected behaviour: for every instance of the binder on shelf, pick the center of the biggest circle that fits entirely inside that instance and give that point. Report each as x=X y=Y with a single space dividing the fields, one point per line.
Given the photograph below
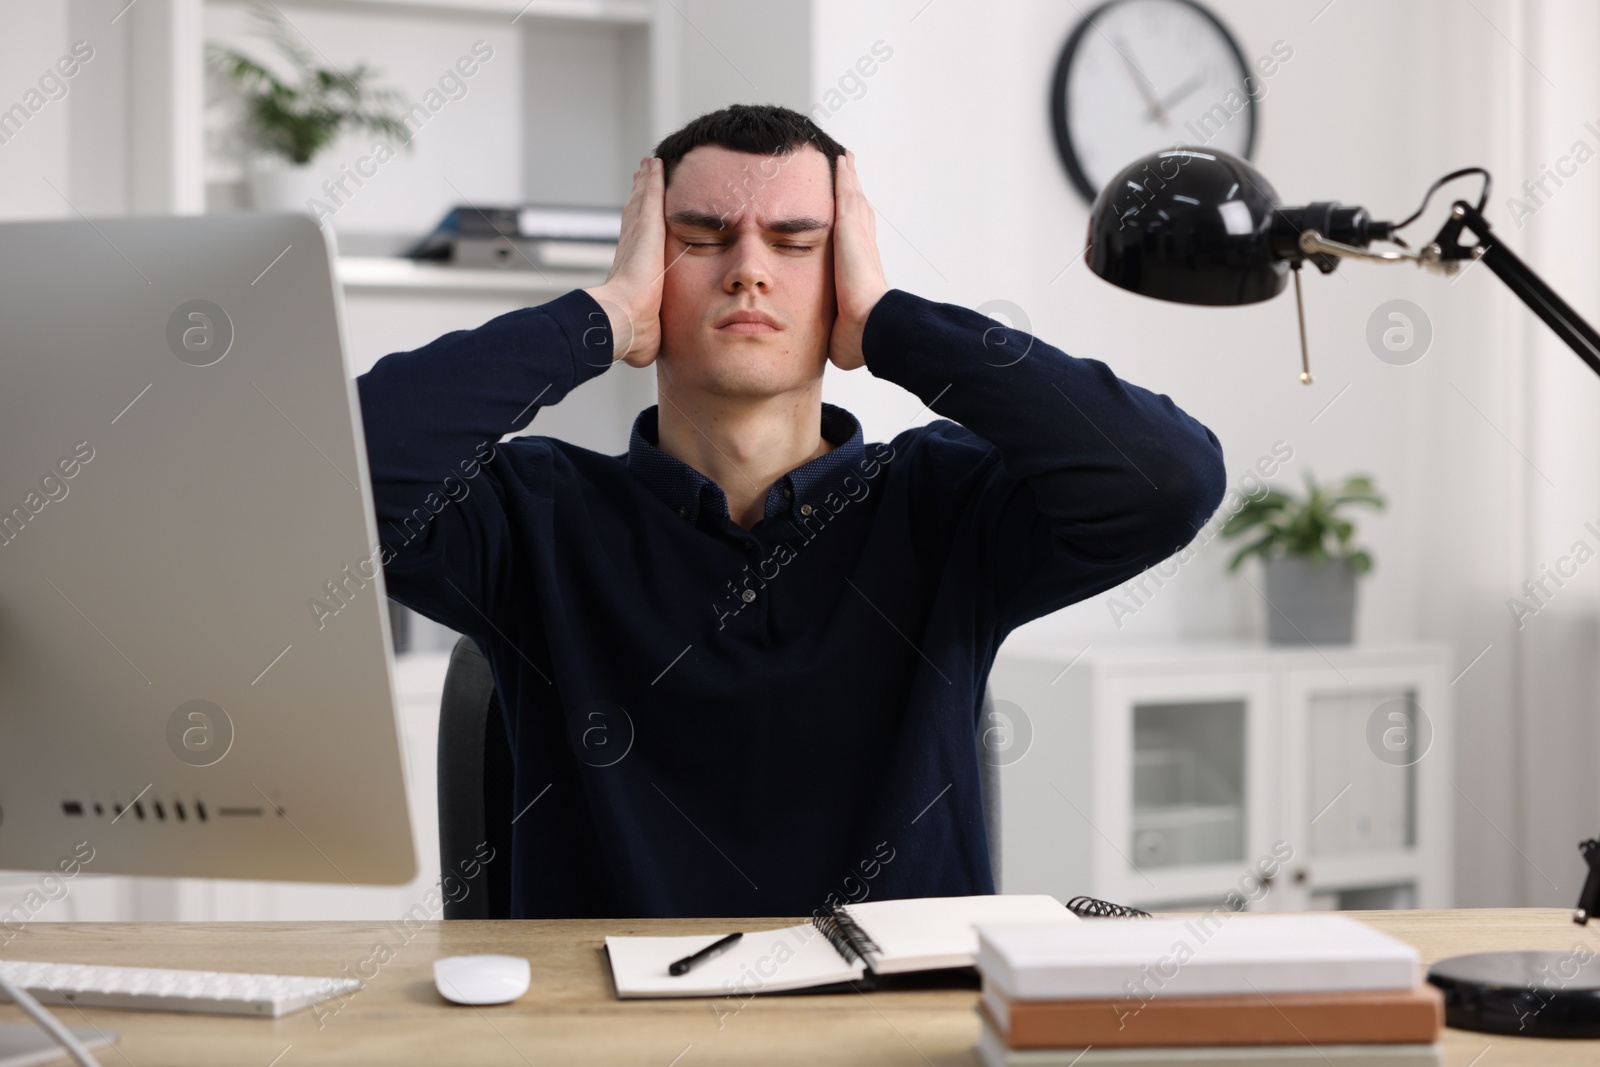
x=526 y=237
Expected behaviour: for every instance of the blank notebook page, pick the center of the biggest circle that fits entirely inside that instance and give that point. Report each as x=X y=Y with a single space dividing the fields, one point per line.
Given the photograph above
x=766 y=961
x=926 y=933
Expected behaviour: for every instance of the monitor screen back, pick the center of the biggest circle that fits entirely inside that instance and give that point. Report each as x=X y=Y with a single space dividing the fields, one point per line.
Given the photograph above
x=195 y=669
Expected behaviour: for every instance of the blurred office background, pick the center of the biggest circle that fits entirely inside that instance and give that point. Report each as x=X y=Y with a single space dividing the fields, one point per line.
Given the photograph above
x=1486 y=448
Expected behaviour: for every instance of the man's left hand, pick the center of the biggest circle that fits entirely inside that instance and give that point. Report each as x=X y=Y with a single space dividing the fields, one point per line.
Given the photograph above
x=857 y=271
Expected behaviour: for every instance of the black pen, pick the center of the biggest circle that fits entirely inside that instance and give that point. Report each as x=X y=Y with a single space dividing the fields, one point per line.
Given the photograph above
x=716 y=948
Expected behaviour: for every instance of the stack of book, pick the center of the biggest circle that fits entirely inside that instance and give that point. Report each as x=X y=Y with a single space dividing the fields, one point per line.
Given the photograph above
x=1221 y=988
x=529 y=237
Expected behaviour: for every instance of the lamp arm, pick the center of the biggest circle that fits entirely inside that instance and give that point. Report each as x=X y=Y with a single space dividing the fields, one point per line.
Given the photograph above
x=1447 y=251
x=1520 y=279
x=1313 y=243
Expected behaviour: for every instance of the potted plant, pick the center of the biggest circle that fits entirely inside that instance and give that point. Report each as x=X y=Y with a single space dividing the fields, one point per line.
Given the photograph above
x=289 y=123
x=1308 y=551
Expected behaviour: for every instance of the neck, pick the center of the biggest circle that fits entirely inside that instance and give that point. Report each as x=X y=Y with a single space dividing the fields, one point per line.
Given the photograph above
x=744 y=444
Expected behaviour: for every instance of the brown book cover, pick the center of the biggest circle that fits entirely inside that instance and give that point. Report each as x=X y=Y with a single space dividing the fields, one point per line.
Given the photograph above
x=1380 y=1017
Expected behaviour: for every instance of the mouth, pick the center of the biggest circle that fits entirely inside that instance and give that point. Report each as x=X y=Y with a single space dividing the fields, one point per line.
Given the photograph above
x=748 y=322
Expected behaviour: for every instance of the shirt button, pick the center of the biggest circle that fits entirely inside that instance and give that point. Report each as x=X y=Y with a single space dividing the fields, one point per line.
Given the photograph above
x=788 y=493
x=683 y=511
x=748 y=595
x=805 y=509
x=751 y=546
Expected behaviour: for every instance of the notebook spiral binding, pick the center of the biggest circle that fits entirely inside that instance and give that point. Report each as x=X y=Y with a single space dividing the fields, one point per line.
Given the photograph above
x=1092 y=908
x=845 y=935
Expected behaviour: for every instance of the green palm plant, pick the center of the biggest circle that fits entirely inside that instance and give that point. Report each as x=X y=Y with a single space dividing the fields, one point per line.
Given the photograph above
x=298 y=120
x=1310 y=527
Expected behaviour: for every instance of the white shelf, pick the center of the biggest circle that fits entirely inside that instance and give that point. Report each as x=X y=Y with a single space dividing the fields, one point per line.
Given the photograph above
x=636 y=12
x=377 y=273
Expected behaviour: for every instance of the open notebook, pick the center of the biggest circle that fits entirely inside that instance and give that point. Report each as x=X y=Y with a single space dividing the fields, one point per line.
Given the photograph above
x=856 y=943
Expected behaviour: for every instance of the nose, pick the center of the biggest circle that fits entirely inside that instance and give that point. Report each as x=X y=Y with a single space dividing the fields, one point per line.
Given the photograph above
x=748 y=268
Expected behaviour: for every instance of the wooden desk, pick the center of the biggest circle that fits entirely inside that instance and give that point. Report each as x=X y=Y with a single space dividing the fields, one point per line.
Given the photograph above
x=570 y=1016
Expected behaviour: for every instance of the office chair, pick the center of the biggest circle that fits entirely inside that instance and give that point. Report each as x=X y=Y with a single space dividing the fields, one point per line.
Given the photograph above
x=475 y=780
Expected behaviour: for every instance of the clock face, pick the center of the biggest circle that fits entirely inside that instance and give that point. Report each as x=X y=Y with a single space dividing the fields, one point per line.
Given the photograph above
x=1137 y=76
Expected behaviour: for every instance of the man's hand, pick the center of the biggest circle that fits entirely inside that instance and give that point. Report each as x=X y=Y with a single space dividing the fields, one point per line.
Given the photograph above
x=631 y=293
x=857 y=271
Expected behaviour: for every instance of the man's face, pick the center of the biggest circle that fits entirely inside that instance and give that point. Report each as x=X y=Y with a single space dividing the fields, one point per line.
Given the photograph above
x=747 y=232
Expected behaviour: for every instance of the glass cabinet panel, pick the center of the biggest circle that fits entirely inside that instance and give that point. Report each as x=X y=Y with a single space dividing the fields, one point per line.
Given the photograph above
x=1362 y=778
x=1188 y=783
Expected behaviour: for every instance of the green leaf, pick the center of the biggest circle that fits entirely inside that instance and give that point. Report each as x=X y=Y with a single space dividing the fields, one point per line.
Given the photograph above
x=1310 y=527
x=1257 y=547
x=1255 y=512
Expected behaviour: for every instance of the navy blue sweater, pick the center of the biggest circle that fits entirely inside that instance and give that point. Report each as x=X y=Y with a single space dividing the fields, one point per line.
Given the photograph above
x=707 y=720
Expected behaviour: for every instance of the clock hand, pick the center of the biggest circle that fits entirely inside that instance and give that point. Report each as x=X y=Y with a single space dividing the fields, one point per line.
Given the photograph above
x=1141 y=83
x=1180 y=92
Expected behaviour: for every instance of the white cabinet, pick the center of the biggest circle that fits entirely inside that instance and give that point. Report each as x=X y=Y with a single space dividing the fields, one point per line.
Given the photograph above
x=1280 y=778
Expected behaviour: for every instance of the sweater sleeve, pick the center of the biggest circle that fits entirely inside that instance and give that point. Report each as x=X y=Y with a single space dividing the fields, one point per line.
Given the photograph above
x=441 y=480
x=1070 y=479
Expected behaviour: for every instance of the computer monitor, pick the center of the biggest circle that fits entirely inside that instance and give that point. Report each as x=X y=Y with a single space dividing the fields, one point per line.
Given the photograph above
x=196 y=677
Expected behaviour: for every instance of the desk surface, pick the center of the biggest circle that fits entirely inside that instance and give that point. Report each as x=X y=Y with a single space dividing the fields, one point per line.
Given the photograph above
x=570 y=1016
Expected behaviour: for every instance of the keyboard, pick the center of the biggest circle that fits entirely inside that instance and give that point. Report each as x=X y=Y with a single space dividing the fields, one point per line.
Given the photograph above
x=160 y=989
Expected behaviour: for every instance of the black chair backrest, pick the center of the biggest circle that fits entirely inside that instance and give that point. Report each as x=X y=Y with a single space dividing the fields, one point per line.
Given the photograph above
x=475 y=783
x=475 y=790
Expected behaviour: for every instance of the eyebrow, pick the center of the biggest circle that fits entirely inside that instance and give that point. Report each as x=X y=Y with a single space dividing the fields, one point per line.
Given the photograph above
x=702 y=220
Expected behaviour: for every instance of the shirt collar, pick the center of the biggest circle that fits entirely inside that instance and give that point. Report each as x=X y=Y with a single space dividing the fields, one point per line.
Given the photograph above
x=688 y=492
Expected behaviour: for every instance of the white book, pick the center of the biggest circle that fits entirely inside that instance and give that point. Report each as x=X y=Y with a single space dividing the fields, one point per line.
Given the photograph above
x=570 y=223
x=574 y=255
x=1138 y=959
x=859 y=941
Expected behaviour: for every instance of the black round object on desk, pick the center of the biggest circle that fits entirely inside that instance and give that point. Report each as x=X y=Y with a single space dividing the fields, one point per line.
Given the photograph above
x=1524 y=994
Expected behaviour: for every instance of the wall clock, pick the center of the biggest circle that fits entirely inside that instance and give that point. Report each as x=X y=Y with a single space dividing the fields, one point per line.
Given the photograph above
x=1137 y=76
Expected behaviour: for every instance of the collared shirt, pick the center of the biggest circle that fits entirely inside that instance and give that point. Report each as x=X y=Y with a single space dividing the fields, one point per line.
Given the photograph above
x=700 y=727
x=691 y=494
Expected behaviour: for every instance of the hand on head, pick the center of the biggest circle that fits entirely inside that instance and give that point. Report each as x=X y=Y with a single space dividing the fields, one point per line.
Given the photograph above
x=857 y=269
x=631 y=293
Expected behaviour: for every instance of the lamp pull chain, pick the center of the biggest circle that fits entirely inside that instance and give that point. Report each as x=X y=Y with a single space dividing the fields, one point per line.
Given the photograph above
x=1300 y=309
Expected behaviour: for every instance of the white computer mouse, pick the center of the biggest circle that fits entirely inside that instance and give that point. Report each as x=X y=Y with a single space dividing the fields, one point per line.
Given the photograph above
x=481 y=979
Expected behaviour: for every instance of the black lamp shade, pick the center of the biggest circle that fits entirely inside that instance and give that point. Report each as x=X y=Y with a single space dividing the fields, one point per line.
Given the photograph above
x=1190 y=225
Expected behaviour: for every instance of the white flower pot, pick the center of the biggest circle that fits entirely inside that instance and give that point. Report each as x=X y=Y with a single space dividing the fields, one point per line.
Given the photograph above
x=278 y=185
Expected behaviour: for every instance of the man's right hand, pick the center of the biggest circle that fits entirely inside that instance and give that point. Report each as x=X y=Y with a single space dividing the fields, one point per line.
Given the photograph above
x=631 y=293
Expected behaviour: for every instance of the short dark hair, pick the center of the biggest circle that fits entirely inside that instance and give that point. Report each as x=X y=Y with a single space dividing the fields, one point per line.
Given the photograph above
x=756 y=128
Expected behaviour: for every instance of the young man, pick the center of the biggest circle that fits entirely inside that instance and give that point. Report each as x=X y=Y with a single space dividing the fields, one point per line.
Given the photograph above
x=742 y=664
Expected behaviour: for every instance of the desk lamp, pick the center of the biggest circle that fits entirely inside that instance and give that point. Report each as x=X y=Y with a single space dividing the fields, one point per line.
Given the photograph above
x=1200 y=226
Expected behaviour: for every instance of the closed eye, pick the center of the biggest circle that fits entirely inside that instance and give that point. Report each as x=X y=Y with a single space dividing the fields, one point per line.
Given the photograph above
x=718 y=244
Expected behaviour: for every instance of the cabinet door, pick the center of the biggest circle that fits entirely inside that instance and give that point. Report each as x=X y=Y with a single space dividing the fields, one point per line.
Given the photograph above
x=1365 y=757
x=1184 y=787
